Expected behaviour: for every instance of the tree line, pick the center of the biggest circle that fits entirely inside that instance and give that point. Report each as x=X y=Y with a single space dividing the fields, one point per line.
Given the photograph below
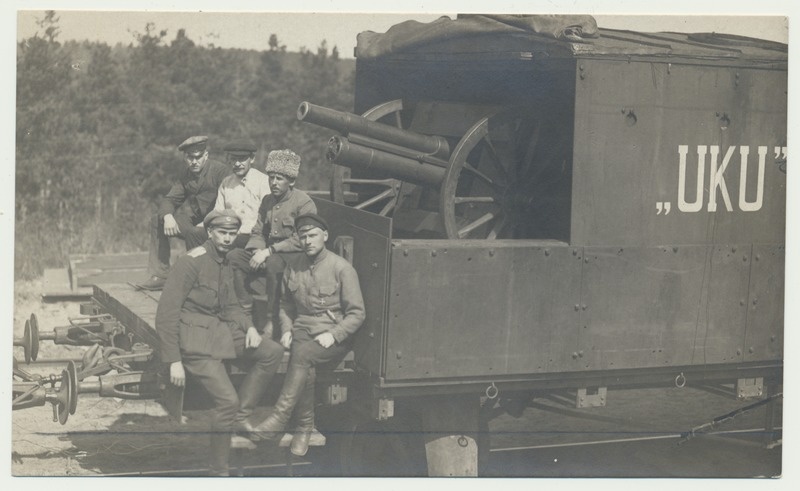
x=98 y=126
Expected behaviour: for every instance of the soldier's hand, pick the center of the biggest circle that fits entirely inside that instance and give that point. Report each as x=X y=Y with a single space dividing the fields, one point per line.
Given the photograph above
x=286 y=339
x=252 y=339
x=170 y=226
x=176 y=374
x=326 y=340
x=259 y=257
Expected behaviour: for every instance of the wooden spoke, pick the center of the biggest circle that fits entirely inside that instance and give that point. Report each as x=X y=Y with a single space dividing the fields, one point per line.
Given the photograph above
x=495 y=158
x=463 y=232
x=473 y=199
x=480 y=174
x=389 y=193
x=498 y=228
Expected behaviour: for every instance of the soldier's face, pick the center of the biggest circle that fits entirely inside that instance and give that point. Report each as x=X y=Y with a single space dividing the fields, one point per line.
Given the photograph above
x=279 y=184
x=313 y=241
x=196 y=160
x=241 y=165
x=222 y=238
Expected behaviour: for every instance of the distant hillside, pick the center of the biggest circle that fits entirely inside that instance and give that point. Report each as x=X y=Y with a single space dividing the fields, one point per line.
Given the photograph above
x=98 y=126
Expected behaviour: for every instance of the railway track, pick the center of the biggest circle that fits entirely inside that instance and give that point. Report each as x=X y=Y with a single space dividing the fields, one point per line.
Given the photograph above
x=746 y=454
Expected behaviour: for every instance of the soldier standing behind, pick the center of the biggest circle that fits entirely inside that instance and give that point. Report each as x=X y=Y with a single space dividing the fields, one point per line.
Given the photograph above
x=273 y=238
x=201 y=323
x=321 y=309
x=197 y=186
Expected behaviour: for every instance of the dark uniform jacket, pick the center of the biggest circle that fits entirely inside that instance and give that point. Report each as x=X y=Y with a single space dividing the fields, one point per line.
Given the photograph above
x=199 y=190
x=275 y=224
x=322 y=295
x=199 y=314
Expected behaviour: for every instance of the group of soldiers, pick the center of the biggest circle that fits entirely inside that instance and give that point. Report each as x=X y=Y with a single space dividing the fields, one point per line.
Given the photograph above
x=249 y=237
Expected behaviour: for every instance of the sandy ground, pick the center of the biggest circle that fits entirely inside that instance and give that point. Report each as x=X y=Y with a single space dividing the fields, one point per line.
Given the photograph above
x=105 y=435
x=109 y=436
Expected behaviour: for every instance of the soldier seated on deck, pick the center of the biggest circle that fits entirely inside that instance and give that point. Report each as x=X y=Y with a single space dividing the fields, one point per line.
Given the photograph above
x=243 y=190
x=321 y=310
x=198 y=187
x=273 y=240
x=201 y=324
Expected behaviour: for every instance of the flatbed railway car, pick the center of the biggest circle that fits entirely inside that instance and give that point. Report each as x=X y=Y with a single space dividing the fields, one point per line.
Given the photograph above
x=535 y=204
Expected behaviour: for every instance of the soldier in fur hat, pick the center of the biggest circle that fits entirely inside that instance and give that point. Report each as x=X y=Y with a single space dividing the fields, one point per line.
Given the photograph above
x=273 y=239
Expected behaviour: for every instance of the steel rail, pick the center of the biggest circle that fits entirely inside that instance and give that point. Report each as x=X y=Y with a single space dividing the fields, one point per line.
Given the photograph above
x=626 y=440
x=200 y=471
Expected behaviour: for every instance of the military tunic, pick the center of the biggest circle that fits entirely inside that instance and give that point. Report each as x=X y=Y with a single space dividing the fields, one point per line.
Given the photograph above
x=321 y=295
x=275 y=224
x=199 y=190
x=198 y=314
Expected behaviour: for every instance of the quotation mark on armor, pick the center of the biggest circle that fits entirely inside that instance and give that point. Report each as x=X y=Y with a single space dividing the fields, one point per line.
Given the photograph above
x=664 y=206
x=780 y=158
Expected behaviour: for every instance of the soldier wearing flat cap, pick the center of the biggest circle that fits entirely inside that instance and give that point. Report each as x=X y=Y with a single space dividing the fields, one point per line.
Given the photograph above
x=243 y=190
x=273 y=239
x=197 y=187
x=321 y=308
x=201 y=323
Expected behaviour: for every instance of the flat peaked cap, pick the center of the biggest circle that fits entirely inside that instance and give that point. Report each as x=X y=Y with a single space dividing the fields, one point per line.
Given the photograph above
x=193 y=144
x=240 y=148
x=224 y=219
x=283 y=162
x=309 y=221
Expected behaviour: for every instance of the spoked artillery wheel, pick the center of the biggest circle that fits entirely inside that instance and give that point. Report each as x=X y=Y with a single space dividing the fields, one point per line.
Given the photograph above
x=482 y=195
x=380 y=194
x=484 y=185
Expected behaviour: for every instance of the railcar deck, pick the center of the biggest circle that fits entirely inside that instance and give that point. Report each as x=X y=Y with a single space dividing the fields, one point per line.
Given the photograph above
x=136 y=310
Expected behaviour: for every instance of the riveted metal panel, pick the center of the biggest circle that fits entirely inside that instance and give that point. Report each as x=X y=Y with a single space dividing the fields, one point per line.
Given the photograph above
x=371 y=237
x=635 y=122
x=663 y=306
x=465 y=309
x=764 y=338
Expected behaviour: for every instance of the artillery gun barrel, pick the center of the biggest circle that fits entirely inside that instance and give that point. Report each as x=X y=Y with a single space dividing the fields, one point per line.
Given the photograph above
x=349 y=123
x=342 y=151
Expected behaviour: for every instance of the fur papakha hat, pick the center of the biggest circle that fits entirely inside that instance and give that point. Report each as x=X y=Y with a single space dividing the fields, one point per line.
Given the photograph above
x=283 y=162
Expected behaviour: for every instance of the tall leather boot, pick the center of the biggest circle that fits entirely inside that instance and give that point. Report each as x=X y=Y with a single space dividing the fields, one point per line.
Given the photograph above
x=274 y=279
x=251 y=391
x=220 y=450
x=304 y=416
x=293 y=386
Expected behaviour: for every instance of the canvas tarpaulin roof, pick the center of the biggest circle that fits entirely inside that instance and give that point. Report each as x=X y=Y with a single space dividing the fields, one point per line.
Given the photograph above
x=411 y=35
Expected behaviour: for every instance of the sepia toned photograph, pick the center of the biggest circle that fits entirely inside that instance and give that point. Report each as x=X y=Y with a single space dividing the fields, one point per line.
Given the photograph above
x=451 y=242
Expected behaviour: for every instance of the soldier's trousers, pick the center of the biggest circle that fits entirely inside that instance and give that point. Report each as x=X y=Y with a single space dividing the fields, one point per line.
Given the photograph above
x=158 y=261
x=213 y=376
x=246 y=279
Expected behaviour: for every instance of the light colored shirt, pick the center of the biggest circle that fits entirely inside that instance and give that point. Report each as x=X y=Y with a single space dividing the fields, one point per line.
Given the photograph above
x=243 y=196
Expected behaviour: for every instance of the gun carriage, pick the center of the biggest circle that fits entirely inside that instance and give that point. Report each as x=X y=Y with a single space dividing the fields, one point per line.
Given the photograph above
x=530 y=213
